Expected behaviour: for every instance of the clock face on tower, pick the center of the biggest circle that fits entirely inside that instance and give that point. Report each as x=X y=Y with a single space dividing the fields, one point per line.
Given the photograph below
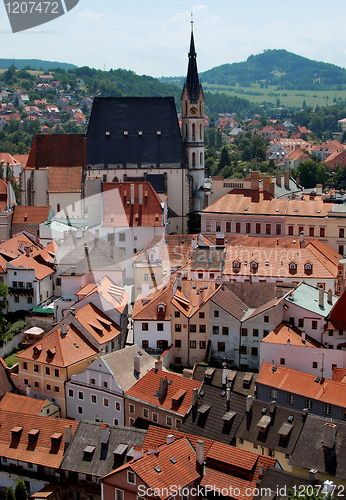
x=193 y=110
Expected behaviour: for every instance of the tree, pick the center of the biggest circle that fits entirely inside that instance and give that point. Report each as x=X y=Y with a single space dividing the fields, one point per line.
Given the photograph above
x=311 y=173
x=193 y=223
x=20 y=490
x=10 y=494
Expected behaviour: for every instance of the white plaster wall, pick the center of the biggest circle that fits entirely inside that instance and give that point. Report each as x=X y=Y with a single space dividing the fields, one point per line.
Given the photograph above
x=152 y=335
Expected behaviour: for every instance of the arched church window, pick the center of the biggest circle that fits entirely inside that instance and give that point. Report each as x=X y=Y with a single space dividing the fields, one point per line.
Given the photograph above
x=193 y=131
x=193 y=159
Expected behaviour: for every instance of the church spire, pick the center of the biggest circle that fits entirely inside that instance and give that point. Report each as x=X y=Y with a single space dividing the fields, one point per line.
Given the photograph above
x=192 y=81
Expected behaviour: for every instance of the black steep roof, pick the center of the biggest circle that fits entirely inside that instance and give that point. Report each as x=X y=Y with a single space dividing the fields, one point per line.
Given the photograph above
x=153 y=134
x=192 y=81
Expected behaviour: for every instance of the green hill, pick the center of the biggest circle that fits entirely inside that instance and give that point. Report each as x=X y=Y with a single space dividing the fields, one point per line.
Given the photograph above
x=34 y=64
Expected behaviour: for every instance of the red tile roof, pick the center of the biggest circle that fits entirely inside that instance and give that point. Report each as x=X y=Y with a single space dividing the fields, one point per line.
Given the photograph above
x=15 y=246
x=30 y=215
x=57 y=150
x=146 y=308
x=22 y=404
x=304 y=384
x=118 y=209
x=67 y=349
x=337 y=318
x=26 y=262
x=40 y=452
x=144 y=390
x=284 y=333
x=100 y=326
x=65 y=179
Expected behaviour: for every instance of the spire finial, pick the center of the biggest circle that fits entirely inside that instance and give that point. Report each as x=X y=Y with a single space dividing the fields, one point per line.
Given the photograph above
x=191 y=22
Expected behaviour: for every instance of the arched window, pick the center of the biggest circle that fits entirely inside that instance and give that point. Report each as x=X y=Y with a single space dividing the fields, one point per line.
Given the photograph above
x=201 y=158
x=193 y=131
x=186 y=131
x=185 y=108
x=200 y=133
x=193 y=159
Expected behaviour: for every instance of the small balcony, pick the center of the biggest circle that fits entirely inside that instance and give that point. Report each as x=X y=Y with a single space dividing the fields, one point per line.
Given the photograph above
x=21 y=291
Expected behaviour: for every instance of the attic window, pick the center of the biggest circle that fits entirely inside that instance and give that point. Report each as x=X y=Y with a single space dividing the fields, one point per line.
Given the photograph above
x=140 y=133
x=126 y=132
x=56 y=438
x=229 y=415
x=293 y=266
x=107 y=133
x=254 y=265
x=161 y=308
x=158 y=132
x=236 y=264
x=25 y=218
x=263 y=423
x=173 y=460
x=16 y=432
x=157 y=469
x=89 y=449
x=285 y=429
x=33 y=434
x=308 y=266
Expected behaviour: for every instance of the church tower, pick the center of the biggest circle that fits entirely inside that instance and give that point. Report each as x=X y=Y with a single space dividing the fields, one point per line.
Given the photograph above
x=192 y=111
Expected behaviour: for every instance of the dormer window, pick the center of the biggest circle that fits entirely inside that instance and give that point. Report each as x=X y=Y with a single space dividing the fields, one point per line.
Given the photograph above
x=16 y=432
x=254 y=266
x=56 y=438
x=161 y=308
x=33 y=434
x=292 y=267
x=236 y=264
x=308 y=268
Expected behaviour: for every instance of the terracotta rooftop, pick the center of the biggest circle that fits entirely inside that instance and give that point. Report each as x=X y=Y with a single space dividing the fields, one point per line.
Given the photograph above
x=147 y=307
x=100 y=326
x=285 y=332
x=146 y=388
x=303 y=384
x=60 y=349
x=30 y=215
x=57 y=150
x=65 y=179
x=14 y=247
x=26 y=262
x=121 y=208
x=6 y=384
x=22 y=404
x=115 y=295
x=42 y=451
x=337 y=318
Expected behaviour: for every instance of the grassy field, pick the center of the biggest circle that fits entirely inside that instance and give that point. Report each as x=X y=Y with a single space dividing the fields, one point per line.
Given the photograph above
x=12 y=359
x=289 y=98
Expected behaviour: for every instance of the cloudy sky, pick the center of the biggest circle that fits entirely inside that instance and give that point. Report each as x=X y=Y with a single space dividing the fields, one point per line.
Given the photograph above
x=152 y=37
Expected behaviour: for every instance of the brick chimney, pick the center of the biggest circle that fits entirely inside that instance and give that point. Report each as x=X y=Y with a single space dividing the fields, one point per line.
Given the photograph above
x=162 y=387
x=254 y=181
x=329 y=435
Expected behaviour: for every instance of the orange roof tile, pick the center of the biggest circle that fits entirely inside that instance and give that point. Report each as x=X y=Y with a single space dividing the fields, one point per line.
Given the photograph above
x=118 y=209
x=285 y=332
x=71 y=348
x=26 y=262
x=57 y=179
x=14 y=247
x=115 y=295
x=22 y=404
x=304 y=384
x=40 y=452
x=336 y=319
x=146 y=308
x=100 y=326
x=144 y=390
x=30 y=215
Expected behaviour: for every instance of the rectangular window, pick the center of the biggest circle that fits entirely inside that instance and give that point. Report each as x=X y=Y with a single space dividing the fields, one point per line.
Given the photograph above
x=265 y=333
x=92 y=381
x=169 y=420
x=244 y=332
x=258 y=228
x=228 y=227
x=273 y=393
x=202 y=328
x=218 y=226
x=290 y=230
x=117 y=406
x=105 y=402
x=25 y=365
x=255 y=332
x=282 y=361
x=14 y=284
x=201 y=315
x=314 y=364
x=202 y=344
x=145 y=413
x=36 y=384
x=193 y=328
x=290 y=399
x=311 y=231
x=29 y=300
x=26 y=381
x=300 y=322
x=159 y=327
x=308 y=404
x=248 y=227
x=177 y=327
x=215 y=330
x=225 y=330
x=268 y=228
x=300 y=229
x=192 y=344
x=145 y=327
x=216 y=314
x=70 y=393
x=327 y=409
x=237 y=227
x=80 y=395
x=243 y=349
x=208 y=225
x=177 y=314
x=146 y=277
x=177 y=343
x=36 y=368
x=254 y=351
x=341 y=232
x=221 y=346
x=116 y=421
x=131 y=408
x=266 y=319
x=131 y=478
x=155 y=418
x=57 y=388
x=341 y=249
x=93 y=399
x=278 y=228
x=80 y=410
x=49 y=387
x=322 y=232
x=56 y=373
x=314 y=325
x=122 y=237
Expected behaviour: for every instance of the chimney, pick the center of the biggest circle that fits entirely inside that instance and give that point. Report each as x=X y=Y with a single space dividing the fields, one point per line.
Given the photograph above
x=272 y=406
x=137 y=452
x=145 y=289
x=152 y=449
x=260 y=471
x=104 y=433
x=329 y=435
x=278 y=178
x=313 y=474
x=254 y=181
x=249 y=401
x=28 y=390
x=162 y=387
x=342 y=286
x=194 y=396
x=287 y=179
x=200 y=451
x=301 y=240
x=158 y=364
x=303 y=336
x=179 y=280
x=63 y=329
x=321 y=297
x=132 y=190
x=328 y=489
x=330 y=296
x=201 y=296
x=170 y=439
x=68 y=434
x=266 y=184
x=27 y=251
x=319 y=188
x=224 y=374
x=193 y=243
x=137 y=364
x=140 y=197
x=228 y=398
x=112 y=250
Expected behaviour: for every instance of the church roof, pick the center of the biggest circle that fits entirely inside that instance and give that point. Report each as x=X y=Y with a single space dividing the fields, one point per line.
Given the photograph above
x=134 y=130
x=192 y=81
